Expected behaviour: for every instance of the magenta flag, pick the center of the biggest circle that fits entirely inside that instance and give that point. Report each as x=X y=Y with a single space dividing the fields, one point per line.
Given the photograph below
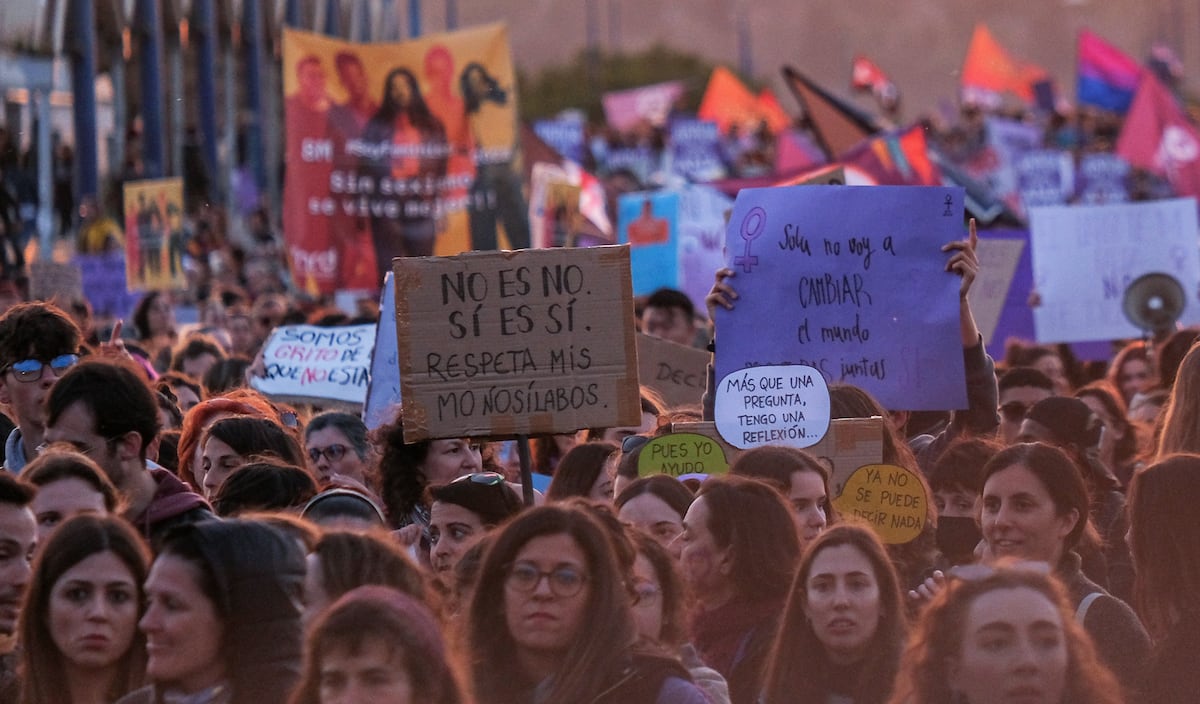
x=624 y=109
x=1107 y=76
x=1158 y=137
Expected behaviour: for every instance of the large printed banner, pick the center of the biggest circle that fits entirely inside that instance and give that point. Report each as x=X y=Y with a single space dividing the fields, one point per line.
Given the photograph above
x=516 y=343
x=849 y=281
x=1085 y=257
x=154 y=238
x=625 y=109
x=402 y=149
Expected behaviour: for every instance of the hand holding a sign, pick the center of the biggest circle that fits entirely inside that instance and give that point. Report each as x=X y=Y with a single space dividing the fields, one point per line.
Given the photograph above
x=721 y=294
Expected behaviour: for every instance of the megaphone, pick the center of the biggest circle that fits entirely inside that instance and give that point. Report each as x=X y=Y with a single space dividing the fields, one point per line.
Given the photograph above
x=1154 y=302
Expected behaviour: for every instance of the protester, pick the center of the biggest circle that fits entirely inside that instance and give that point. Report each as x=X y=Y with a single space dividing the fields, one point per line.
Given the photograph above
x=264 y=485
x=586 y=470
x=378 y=646
x=185 y=389
x=68 y=484
x=652 y=407
x=18 y=540
x=341 y=507
x=107 y=412
x=660 y=611
x=656 y=505
x=844 y=626
x=565 y=630
x=1068 y=424
x=739 y=553
x=343 y=560
x=461 y=513
x=956 y=481
x=1180 y=432
x=336 y=444
x=1132 y=371
x=154 y=327
x=38 y=343
x=1045 y=359
x=222 y=619
x=1165 y=542
x=406 y=469
x=1035 y=507
x=231 y=443
x=802 y=480
x=1120 y=447
x=1020 y=388
x=79 y=637
x=1008 y=635
x=195 y=355
x=198 y=420
x=669 y=315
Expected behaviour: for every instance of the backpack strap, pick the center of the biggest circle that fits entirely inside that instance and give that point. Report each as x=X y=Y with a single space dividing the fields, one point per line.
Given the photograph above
x=1084 y=605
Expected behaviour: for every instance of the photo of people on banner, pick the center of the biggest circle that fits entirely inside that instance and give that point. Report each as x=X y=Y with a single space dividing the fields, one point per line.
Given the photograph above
x=154 y=236
x=402 y=149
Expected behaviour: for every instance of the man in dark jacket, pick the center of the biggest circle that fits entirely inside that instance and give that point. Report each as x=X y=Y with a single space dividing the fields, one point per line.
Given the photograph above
x=106 y=410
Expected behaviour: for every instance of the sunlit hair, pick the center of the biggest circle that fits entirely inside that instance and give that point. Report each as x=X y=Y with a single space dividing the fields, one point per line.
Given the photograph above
x=1134 y=351
x=673 y=594
x=1180 y=431
x=752 y=521
x=579 y=469
x=938 y=637
x=1164 y=539
x=256 y=437
x=43 y=673
x=1129 y=446
x=1058 y=475
x=798 y=668
x=606 y=631
x=197 y=420
x=775 y=464
x=351 y=559
x=403 y=625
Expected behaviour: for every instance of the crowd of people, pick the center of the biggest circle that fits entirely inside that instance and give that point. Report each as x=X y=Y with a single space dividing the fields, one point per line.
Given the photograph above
x=168 y=534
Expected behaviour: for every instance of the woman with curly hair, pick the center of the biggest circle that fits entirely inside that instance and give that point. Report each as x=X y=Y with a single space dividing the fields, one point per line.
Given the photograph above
x=1007 y=636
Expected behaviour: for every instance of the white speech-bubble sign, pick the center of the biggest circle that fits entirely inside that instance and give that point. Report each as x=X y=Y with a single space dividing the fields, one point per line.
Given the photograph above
x=786 y=404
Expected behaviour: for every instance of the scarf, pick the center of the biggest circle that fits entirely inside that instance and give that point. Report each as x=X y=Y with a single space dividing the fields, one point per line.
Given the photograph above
x=718 y=634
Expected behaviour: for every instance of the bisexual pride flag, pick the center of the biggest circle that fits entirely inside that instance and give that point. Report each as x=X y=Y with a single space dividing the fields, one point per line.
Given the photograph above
x=1108 y=77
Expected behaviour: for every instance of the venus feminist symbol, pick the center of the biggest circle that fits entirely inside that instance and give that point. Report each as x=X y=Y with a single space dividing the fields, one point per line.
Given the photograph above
x=752 y=226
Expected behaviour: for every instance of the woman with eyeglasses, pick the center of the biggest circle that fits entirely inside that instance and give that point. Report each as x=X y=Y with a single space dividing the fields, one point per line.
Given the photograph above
x=1164 y=537
x=564 y=630
x=461 y=513
x=79 y=638
x=1036 y=508
x=1003 y=636
x=660 y=611
x=336 y=444
x=844 y=626
x=739 y=552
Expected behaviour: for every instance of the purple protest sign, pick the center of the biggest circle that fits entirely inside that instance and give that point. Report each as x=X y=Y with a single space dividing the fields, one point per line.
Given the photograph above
x=850 y=281
x=1103 y=178
x=564 y=134
x=696 y=150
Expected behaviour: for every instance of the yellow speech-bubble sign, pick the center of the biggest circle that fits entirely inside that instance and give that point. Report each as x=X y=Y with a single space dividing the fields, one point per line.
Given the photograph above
x=891 y=499
x=678 y=454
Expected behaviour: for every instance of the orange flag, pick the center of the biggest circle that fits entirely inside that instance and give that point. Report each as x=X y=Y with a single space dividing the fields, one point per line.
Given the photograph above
x=989 y=70
x=727 y=101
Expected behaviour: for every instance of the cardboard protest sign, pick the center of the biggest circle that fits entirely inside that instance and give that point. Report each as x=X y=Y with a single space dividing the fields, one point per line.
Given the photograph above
x=49 y=279
x=383 y=393
x=515 y=343
x=154 y=236
x=785 y=404
x=998 y=260
x=648 y=223
x=311 y=364
x=849 y=444
x=850 y=281
x=890 y=499
x=682 y=454
x=678 y=373
x=1084 y=257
